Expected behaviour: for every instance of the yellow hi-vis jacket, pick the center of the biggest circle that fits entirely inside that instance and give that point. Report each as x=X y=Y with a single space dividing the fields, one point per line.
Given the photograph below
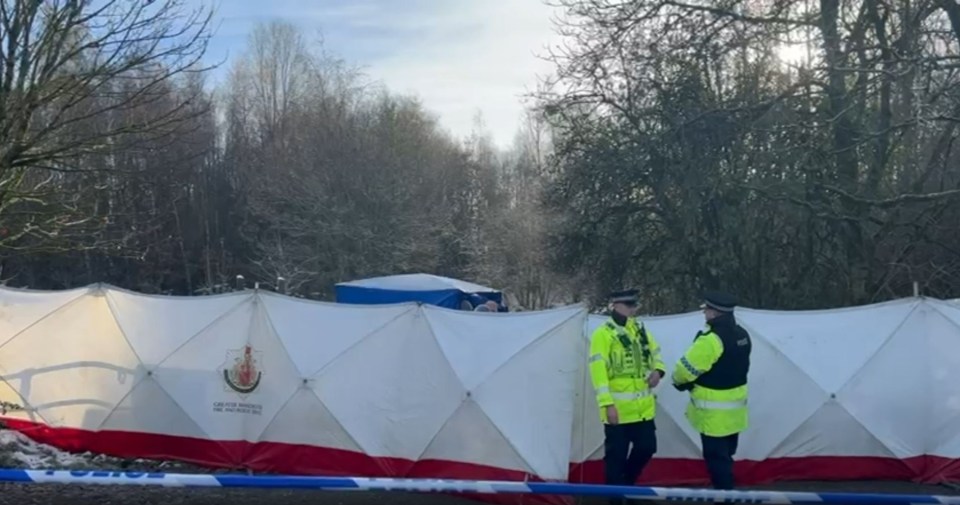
x=621 y=359
x=713 y=411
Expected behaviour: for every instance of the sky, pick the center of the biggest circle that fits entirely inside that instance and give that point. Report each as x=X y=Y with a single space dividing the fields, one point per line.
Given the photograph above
x=458 y=56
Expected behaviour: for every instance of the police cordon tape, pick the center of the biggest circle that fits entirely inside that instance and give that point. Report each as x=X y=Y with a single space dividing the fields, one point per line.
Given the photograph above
x=177 y=480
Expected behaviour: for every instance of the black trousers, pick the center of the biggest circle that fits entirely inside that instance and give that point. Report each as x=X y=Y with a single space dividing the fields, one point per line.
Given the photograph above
x=627 y=449
x=718 y=454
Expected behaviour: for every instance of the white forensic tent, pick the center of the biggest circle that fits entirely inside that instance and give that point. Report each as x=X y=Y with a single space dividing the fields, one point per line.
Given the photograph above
x=860 y=392
x=272 y=383
x=395 y=384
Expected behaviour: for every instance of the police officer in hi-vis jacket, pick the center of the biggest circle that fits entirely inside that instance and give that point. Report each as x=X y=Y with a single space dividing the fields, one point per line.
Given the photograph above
x=714 y=370
x=625 y=367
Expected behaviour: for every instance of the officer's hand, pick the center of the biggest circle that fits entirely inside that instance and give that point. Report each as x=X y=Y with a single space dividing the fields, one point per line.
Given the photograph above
x=612 y=417
x=653 y=379
x=682 y=387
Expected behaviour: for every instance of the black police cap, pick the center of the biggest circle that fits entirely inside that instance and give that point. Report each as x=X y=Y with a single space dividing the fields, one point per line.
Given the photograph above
x=719 y=300
x=625 y=296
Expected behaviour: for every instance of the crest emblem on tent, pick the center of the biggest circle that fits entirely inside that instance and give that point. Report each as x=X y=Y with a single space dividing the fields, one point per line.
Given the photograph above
x=242 y=371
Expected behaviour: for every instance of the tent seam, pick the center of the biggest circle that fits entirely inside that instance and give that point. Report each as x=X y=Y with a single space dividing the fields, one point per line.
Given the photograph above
x=26 y=404
x=787 y=357
x=797 y=428
x=790 y=360
x=187 y=414
x=870 y=358
x=879 y=348
x=543 y=337
x=273 y=328
x=937 y=307
x=164 y=360
x=583 y=385
x=363 y=450
x=453 y=371
x=45 y=316
x=866 y=428
x=120 y=401
x=251 y=325
x=540 y=339
x=823 y=392
x=123 y=332
x=442 y=426
x=506 y=438
x=525 y=347
x=946 y=316
x=358 y=342
x=203 y=330
x=446 y=358
x=693 y=441
x=273 y=418
x=839 y=388
x=286 y=352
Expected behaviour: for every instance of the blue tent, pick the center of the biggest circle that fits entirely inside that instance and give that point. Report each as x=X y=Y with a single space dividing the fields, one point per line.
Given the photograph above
x=424 y=288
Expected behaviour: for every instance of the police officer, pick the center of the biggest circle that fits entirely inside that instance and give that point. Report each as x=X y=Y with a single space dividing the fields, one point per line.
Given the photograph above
x=625 y=366
x=714 y=370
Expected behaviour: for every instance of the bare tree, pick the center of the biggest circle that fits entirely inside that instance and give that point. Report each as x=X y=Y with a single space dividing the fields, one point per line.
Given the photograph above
x=69 y=72
x=689 y=153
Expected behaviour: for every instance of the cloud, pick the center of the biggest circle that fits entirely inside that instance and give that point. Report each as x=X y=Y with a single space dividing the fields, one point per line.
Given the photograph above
x=478 y=56
x=457 y=56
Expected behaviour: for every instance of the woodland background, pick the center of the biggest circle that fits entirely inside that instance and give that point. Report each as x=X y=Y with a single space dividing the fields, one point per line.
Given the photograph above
x=675 y=149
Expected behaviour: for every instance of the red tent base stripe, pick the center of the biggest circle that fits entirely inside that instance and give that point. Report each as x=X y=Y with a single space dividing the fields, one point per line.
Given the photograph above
x=271 y=457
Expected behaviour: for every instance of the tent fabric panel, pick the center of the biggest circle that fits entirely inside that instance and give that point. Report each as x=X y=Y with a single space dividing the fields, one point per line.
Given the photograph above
x=470 y=432
x=157 y=326
x=59 y=371
x=20 y=308
x=834 y=431
x=274 y=373
x=942 y=416
x=529 y=398
x=393 y=390
x=476 y=344
x=890 y=393
x=149 y=409
x=304 y=419
x=196 y=375
x=829 y=346
x=781 y=397
x=314 y=334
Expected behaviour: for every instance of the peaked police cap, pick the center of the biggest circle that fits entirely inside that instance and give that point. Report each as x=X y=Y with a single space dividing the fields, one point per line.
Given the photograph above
x=719 y=300
x=625 y=296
